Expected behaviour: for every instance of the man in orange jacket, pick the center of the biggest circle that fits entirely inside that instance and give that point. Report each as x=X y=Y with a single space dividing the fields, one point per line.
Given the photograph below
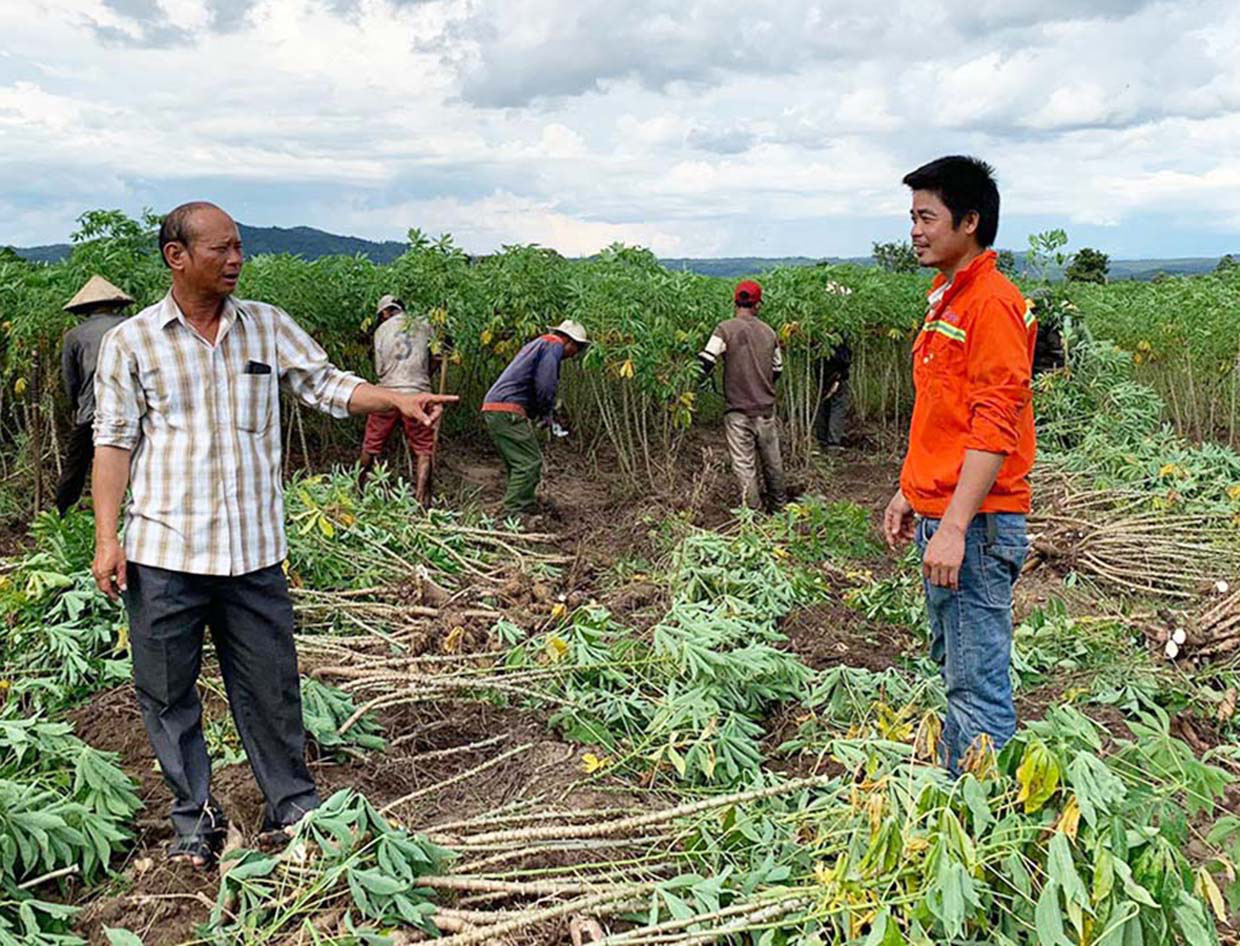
x=964 y=489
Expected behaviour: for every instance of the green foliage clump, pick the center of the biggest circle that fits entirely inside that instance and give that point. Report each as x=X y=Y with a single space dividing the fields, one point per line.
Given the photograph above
x=324 y=709
x=62 y=805
x=344 y=853
x=63 y=639
x=687 y=697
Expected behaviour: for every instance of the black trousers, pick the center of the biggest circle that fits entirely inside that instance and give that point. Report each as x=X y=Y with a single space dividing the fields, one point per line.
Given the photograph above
x=251 y=621
x=78 y=454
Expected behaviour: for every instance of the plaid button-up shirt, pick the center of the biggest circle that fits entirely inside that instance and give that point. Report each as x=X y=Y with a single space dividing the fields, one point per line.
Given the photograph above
x=203 y=422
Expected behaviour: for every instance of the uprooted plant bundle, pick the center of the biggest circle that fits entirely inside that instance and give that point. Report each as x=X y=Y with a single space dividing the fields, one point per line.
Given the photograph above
x=1122 y=499
x=1118 y=538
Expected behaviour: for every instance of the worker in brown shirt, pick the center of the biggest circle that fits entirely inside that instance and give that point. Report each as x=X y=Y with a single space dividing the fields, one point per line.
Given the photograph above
x=751 y=366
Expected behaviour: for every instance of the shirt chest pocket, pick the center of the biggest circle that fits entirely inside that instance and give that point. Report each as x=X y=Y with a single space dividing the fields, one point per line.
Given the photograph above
x=254 y=398
x=939 y=357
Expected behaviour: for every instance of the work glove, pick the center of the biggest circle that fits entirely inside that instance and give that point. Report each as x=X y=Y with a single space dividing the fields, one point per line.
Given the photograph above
x=555 y=428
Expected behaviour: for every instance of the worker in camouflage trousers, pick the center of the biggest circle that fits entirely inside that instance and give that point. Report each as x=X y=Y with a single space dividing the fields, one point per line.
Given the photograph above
x=751 y=365
x=523 y=395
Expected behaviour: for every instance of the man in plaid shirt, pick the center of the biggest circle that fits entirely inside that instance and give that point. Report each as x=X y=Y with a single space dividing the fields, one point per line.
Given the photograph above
x=188 y=416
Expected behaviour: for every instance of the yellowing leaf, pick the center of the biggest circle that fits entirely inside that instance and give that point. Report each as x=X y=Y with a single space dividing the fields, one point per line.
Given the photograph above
x=558 y=610
x=1070 y=818
x=19 y=386
x=926 y=741
x=452 y=642
x=895 y=334
x=874 y=810
x=1207 y=889
x=1037 y=775
x=557 y=647
x=893 y=724
x=122 y=640
x=485 y=337
x=1233 y=493
x=591 y=763
x=981 y=758
x=626 y=369
x=326 y=527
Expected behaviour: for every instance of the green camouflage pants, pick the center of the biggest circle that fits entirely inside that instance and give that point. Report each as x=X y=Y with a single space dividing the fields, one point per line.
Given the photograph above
x=517 y=443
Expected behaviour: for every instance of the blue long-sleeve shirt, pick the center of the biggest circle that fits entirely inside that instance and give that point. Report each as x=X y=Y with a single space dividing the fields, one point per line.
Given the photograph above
x=530 y=380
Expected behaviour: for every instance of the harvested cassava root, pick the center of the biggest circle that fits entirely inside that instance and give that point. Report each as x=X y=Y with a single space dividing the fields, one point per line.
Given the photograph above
x=1116 y=539
x=1212 y=633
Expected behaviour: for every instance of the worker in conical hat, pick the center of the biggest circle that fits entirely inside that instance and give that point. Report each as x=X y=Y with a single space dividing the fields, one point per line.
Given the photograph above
x=101 y=303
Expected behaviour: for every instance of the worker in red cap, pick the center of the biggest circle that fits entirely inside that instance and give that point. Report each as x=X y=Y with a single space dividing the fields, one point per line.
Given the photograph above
x=751 y=365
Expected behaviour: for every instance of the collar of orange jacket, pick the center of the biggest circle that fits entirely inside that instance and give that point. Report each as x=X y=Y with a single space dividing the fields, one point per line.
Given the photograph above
x=980 y=264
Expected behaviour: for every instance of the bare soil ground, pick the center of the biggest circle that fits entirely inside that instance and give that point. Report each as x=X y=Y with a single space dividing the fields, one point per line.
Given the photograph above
x=603 y=522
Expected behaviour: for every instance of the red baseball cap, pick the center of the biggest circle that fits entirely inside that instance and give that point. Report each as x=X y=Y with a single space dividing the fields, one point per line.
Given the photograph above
x=747 y=293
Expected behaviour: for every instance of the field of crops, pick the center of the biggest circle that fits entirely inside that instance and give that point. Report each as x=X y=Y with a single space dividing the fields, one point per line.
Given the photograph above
x=635 y=391
x=659 y=723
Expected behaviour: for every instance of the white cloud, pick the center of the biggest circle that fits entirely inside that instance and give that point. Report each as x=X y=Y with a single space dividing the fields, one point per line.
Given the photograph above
x=696 y=126
x=505 y=218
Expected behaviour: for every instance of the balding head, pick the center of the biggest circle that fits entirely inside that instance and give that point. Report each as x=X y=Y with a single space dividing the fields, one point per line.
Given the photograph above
x=201 y=244
x=181 y=224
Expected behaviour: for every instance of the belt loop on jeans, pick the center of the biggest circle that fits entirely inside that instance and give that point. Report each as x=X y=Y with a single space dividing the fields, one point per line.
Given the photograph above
x=992 y=527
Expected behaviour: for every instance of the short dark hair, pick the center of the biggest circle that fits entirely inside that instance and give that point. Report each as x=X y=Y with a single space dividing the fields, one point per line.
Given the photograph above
x=966 y=185
x=176 y=227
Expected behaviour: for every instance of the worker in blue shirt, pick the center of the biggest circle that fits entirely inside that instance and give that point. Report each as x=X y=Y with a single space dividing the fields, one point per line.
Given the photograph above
x=524 y=394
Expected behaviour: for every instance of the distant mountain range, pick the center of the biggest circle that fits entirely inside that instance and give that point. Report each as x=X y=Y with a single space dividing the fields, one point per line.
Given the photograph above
x=310 y=243
x=302 y=241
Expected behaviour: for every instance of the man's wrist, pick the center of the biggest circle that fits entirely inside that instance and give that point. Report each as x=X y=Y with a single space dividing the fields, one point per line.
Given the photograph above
x=951 y=523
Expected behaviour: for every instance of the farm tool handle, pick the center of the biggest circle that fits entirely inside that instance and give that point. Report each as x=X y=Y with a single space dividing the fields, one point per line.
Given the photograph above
x=443 y=387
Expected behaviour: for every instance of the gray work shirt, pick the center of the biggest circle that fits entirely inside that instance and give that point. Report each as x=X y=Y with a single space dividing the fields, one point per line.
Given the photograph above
x=402 y=353
x=78 y=360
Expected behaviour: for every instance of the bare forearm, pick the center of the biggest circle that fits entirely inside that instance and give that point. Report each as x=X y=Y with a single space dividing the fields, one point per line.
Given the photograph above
x=368 y=398
x=109 y=477
x=977 y=476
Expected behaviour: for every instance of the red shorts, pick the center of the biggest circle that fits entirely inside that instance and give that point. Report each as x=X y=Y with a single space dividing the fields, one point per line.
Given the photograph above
x=381 y=424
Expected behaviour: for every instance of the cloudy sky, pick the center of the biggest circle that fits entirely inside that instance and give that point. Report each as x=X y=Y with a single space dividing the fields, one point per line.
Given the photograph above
x=695 y=128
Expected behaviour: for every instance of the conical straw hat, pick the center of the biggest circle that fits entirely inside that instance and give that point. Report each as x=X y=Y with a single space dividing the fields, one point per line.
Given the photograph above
x=97 y=291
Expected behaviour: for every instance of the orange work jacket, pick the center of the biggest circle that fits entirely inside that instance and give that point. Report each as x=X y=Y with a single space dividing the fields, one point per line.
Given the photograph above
x=972 y=371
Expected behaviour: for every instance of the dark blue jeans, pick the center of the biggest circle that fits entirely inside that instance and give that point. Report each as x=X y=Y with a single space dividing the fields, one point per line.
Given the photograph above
x=971 y=632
